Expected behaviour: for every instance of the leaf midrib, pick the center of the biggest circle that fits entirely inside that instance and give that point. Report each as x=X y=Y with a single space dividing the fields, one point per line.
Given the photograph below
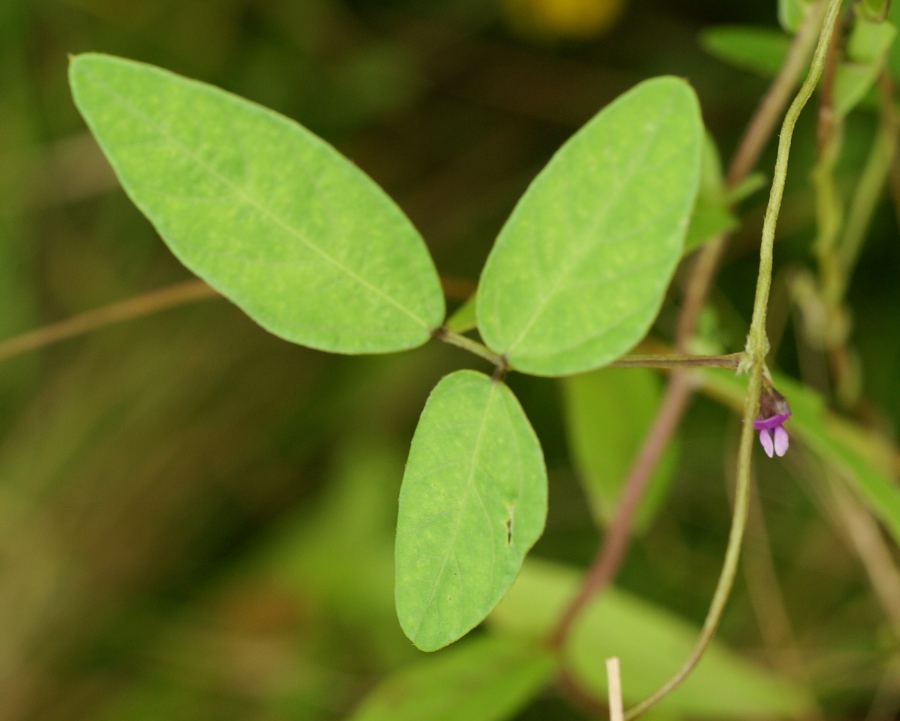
x=636 y=163
x=469 y=482
x=243 y=195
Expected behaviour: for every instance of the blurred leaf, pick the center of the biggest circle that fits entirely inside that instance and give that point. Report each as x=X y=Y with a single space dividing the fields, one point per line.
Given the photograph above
x=464 y=318
x=711 y=215
x=791 y=13
x=651 y=644
x=343 y=554
x=608 y=413
x=761 y=50
x=263 y=210
x=381 y=79
x=875 y=10
x=473 y=501
x=867 y=48
x=747 y=187
x=579 y=271
x=486 y=679
x=893 y=61
x=836 y=442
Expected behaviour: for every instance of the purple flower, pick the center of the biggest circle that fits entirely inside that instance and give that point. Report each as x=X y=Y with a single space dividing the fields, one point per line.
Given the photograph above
x=773 y=412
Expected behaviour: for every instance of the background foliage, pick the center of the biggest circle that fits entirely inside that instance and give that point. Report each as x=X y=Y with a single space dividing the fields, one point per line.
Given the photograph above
x=196 y=519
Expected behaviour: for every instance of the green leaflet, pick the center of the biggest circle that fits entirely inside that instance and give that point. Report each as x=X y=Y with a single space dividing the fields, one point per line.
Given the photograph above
x=763 y=51
x=875 y=10
x=651 y=644
x=861 y=461
x=791 y=13
x=579 y=271
x=712 y=215
x=464 y=318
x=473 y=501
x=264 y=211
x=486 y=679
x=867 y=49
x=608 y=413
x=893 y=60
x=759 y=49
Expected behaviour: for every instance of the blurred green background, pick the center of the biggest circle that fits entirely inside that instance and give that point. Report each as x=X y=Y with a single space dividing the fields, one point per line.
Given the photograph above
x=196 y=517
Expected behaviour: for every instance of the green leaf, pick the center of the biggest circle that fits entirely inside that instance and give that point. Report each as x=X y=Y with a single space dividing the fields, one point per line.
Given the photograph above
x=791 y=13
x=486 y=679
x=712 y=215
x=867 y=49
x=758 y=49
x=745 y=188
x=340 y=550
x=464 y=318
x=875 y=10
x=263 y=210
x=608 y=413
x=579 y=271
x=840 y=444
x=651 y=644
x=473 y=501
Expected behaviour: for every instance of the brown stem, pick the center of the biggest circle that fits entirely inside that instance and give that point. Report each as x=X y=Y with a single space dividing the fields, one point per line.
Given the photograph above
x=582 y=697
x=190 y=291
x=612 y=551
x=731 y=360
x=825 y=123
x=771 y=107
x=157 y=300
x=679 y=390
x=473 y=346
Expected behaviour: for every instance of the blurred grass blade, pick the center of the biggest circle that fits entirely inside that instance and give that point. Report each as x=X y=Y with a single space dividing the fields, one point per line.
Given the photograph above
x=859 y=457
x=473 y=501
x=486 y=679
x=651 y=643
x=579 y=271
x=264 y=211
x=760 y=50
x=607 y=416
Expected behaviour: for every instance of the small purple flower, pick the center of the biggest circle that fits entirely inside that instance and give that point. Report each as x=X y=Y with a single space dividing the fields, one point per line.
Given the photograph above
x=773 y=412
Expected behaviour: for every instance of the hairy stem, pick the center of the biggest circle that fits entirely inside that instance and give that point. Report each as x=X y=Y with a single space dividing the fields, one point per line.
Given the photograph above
x=757 y=348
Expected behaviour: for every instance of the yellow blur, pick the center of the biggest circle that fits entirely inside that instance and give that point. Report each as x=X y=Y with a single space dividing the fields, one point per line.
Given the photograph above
x=563 y=19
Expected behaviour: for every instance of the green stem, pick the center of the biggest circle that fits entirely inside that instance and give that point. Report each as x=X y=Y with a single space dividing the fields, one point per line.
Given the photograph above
x=757 y=347
x=473 y=346
x=732 y=360
x=868 y=190
x=829 y=207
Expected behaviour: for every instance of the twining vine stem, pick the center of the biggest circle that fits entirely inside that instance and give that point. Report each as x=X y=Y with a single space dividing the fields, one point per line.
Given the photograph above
x=680 y=388
x=757 y=348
